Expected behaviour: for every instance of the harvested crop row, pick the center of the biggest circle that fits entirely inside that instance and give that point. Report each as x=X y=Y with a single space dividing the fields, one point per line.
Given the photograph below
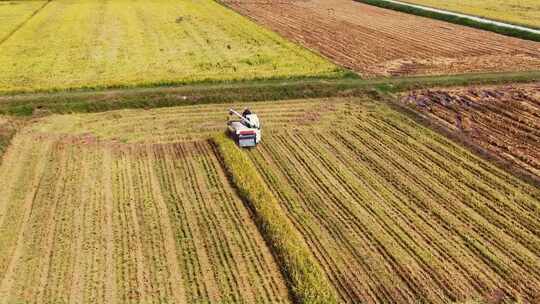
x=396 y=213
x=378 y=42
x=502 y=120
x=85 y=221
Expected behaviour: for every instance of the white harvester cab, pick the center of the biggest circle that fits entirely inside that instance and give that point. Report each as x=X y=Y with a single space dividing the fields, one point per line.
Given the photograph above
x=245 y=130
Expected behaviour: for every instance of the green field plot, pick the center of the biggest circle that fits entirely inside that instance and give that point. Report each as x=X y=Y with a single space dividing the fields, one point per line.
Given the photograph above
x=523 y=12
x=83 y=43
x=14 y=13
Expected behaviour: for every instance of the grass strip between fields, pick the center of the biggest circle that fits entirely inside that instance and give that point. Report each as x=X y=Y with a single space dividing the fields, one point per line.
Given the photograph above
x=453 y=19
x=307 y=280
x=252 y=91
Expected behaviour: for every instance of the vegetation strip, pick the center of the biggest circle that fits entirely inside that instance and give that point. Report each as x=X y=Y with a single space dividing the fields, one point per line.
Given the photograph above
x=452 y=18
x=100 y=101
x=308 y=282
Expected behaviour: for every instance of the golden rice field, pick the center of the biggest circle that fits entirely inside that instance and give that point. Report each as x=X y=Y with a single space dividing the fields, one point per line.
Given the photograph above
x=522 y=12
x=14 y=13
x=390 y=210
x=98 y=43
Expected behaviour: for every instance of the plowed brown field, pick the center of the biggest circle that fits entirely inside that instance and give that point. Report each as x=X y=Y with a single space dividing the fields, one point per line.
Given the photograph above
x=379 y=42
x=503 y=120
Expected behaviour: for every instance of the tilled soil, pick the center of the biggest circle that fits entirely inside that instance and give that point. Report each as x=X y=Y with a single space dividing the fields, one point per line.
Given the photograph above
x=378 y=42
x=503 y=120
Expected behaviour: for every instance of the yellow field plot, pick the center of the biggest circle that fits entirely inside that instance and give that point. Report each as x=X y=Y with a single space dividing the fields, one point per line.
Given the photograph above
x=522 y=12
x=87 y=43
x=15 y=13
x=173 y=124
x=391 y=211
x=89 y=222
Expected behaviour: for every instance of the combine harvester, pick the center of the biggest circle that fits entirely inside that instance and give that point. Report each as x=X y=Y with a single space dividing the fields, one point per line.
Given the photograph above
x=245 y=129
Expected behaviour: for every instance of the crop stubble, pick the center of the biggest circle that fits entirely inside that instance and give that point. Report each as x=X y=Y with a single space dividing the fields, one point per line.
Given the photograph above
x=379 y=42
x=396 y=213
x=392 y=211
x=88 y=221
x=503 y=120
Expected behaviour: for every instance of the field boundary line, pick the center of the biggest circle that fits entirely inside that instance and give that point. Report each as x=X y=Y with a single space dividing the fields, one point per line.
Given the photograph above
x=458 y=18
x=16 y=29
x=307 y=281
x=252 y=91
x=464 y=142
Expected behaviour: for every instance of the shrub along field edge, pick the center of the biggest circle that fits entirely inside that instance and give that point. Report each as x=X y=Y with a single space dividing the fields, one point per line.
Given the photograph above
x=454 y=19
x=100 y=101
x=307 y=281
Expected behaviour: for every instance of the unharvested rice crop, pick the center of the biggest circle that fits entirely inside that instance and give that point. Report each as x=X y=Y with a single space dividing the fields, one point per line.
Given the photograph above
x=83 y=221
x=503 y=120
x=89 y=43
x=523 y=12
x=14 y=13
x=392 y=211
x=379 y=42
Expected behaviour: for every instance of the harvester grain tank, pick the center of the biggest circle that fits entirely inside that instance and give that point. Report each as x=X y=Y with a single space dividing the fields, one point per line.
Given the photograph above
x=244 y=128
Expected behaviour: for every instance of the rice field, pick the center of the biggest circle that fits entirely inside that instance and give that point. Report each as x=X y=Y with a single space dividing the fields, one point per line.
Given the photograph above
x=522 y=12
x=92 y=44
x=83 y=221
x=391 y=211
x=14 y=13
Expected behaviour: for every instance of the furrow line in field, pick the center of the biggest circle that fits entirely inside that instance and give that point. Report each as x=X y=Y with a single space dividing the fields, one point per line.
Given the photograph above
x=341 y=211
x=223 y=256
x=110 y=275
x=189 y=254
x=76 y=293
x=301 y=219
x=192 y=185
x=249 y=248
x=490 y=194
x=369 y=214
x=40 y=155
x=174 y=273
x=372 y=159
x=152 y=243
x=236 y=248
x=59 y=174
x=489 y=233
x=62 y=260
x=401 y=206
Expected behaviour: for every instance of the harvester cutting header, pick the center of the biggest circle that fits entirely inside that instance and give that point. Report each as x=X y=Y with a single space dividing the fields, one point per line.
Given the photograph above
x=244 y=128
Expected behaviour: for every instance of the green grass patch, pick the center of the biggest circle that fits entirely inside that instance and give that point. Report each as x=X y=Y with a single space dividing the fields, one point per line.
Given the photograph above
x=252 y=91
x=308 y=281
